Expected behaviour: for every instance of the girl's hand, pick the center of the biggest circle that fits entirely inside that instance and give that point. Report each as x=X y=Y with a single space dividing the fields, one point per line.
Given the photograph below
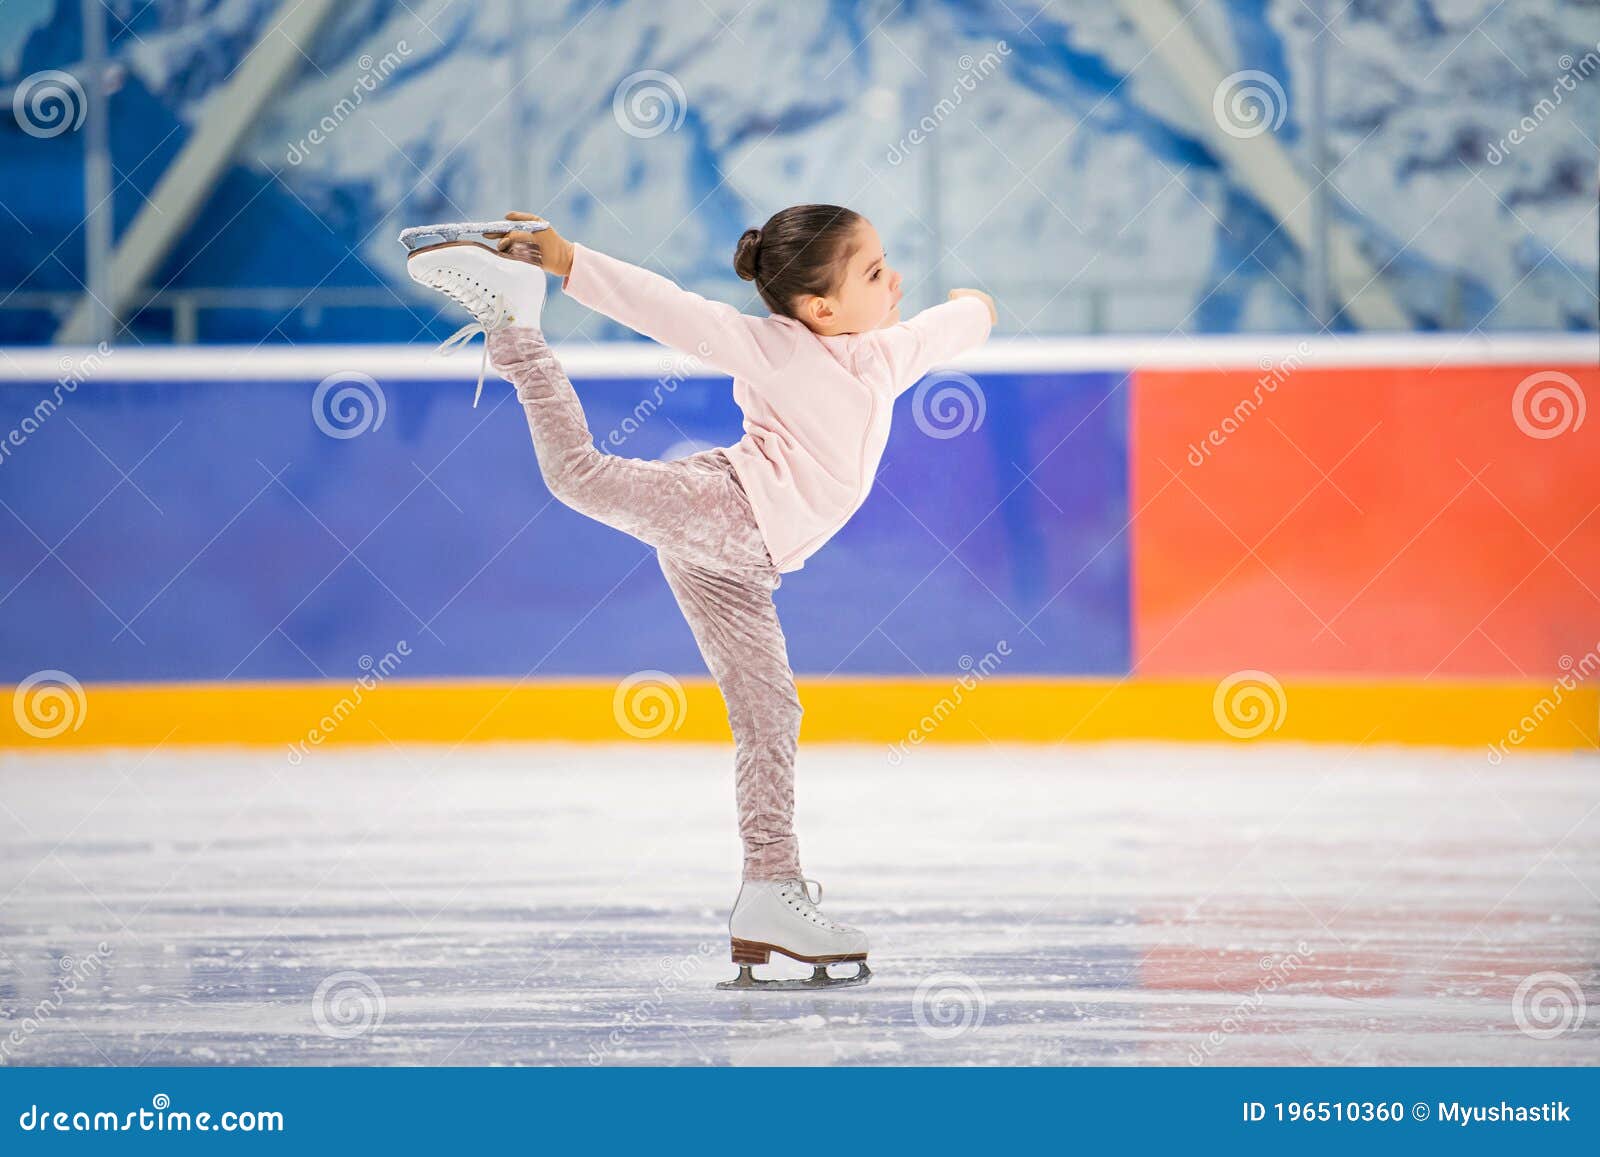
x=994 y=318
x=552 y=252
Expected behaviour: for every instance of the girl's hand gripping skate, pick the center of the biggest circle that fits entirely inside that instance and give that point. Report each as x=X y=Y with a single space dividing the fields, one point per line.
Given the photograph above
x=550 y=251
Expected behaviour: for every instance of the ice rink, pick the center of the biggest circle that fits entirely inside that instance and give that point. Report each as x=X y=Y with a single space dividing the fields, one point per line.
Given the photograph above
x=1122 y=904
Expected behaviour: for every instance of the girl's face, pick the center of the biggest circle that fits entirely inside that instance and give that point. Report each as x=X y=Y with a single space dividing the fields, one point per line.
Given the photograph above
x=868 y=294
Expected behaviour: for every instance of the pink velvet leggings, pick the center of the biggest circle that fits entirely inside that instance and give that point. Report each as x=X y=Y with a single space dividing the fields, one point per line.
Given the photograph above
x=694 y=511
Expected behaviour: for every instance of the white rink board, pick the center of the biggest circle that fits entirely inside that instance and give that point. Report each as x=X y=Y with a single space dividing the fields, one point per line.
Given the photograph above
x=643 y=359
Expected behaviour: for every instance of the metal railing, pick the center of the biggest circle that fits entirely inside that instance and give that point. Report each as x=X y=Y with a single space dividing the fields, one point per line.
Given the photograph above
x=186 y=305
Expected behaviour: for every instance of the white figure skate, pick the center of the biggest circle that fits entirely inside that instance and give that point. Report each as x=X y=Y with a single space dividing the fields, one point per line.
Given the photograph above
x=781 y=916
x=497 y=290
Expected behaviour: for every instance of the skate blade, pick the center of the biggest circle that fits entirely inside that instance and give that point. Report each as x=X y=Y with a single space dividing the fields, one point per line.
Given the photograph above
x=819 y=979
x=423 y=236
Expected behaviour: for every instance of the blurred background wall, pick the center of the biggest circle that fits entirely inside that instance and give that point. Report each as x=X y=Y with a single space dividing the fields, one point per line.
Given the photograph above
x=1075 y=158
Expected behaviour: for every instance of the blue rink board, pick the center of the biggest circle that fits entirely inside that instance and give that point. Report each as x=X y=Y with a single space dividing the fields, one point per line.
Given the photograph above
x=202 y=531
x=871 y=1111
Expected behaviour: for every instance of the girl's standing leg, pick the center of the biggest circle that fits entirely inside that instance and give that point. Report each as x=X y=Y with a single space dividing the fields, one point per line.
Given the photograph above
x=736 y=624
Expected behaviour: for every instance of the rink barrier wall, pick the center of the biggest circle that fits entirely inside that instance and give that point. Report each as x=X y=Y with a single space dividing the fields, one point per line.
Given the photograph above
x=201 y=529
x=1418 y=521
x=1376 y=537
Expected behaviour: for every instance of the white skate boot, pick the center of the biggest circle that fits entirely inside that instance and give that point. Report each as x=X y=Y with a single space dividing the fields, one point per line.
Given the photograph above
x=780 y=916
x=497 y=290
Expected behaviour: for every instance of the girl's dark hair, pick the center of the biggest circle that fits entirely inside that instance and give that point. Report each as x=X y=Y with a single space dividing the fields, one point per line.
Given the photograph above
x=799 y=251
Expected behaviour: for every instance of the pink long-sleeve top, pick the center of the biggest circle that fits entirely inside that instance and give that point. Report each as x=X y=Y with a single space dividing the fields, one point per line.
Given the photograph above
x=816 y=409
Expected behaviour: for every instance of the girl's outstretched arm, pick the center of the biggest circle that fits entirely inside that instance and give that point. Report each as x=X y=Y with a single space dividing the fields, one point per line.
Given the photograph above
x=933 y=337
x=718 y=334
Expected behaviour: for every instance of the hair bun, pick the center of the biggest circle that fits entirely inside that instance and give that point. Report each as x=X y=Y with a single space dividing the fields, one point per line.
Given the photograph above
x=747 y=253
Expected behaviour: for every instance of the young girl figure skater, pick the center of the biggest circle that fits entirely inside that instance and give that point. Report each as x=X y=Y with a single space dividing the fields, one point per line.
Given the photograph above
x=817 y=382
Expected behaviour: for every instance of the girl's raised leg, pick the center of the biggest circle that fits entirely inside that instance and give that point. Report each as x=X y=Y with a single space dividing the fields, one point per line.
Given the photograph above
x=692 y=507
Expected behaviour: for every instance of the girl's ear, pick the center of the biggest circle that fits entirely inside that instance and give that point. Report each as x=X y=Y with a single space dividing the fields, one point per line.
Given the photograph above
x=818 y=310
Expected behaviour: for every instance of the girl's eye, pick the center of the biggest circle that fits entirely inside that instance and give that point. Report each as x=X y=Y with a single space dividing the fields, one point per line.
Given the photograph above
x=875 y=273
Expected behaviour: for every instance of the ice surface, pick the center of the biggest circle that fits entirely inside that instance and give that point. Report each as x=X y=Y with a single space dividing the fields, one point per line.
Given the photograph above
x=548 y=904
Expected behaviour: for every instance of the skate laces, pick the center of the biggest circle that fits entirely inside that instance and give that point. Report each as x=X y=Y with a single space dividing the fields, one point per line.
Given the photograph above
x=802 y=884
x=477 y=304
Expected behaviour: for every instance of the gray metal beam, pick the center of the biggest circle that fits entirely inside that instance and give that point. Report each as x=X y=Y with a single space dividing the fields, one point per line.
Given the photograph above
x=1263 y=166
x=98 y=206
x=1319 y=278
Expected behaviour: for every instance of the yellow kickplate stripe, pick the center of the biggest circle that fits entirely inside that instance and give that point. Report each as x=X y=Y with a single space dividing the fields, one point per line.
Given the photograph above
x=904 y=713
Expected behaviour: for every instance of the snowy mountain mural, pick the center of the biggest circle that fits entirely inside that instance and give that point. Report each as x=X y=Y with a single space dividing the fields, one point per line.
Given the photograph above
x=1042 y=152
